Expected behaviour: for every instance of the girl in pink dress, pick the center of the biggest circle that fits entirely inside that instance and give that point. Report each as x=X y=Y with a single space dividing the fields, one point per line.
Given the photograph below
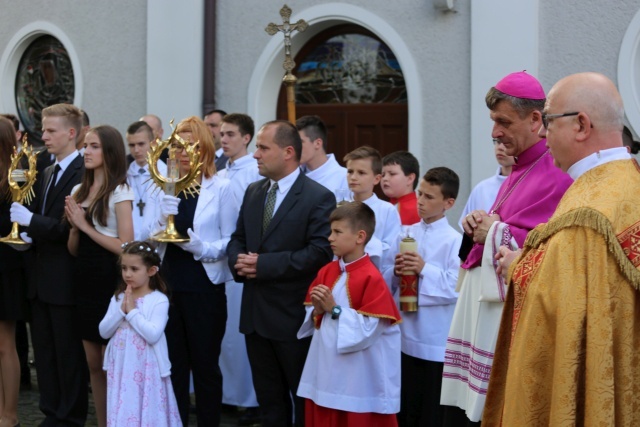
x=139 y=391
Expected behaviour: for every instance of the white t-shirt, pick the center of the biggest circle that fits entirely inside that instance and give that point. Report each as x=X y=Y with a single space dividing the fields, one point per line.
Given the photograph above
x=120 y=194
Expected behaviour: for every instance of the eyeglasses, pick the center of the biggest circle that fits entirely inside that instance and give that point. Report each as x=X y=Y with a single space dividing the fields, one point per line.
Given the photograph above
x=546 y=117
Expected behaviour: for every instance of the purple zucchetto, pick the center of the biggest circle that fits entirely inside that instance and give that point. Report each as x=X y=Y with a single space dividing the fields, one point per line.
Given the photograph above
x=521 y=85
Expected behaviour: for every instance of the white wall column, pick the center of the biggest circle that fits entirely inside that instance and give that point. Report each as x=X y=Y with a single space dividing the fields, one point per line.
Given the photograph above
x=504 y=39
x=174 y=59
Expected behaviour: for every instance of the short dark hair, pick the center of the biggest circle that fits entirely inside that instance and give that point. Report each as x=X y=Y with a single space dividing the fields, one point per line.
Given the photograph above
x=522 y=106
x=314 y=128
x=286 y=135
x=366 y=152
x=13 y=119
x=243 y=121
x=85 y=119
x=140 y=126
x=358 y=215
x=447 y=180
x=407 y=162
x=221 y=112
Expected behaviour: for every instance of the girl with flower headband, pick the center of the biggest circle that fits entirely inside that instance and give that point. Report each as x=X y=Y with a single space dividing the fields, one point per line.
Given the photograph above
x=136 y=359
x=99 y=211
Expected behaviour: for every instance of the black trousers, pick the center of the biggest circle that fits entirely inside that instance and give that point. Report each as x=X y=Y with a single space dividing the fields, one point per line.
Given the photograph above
x=61 y=365
x=194 y=333
x=420 y=393
x=456 y=417
x=276 y=368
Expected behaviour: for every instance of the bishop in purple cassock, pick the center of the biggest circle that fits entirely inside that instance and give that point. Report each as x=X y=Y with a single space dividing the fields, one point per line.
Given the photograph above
x=527 y=198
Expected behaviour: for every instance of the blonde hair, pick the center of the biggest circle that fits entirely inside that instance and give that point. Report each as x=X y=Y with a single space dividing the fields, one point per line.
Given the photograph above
x=200 y=132
x=71 y=114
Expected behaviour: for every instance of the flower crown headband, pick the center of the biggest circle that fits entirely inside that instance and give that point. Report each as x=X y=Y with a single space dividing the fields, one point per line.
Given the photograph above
x=142 y=247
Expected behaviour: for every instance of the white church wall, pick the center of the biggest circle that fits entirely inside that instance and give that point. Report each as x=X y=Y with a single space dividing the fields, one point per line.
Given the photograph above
x=109 y=39
x=437 y=43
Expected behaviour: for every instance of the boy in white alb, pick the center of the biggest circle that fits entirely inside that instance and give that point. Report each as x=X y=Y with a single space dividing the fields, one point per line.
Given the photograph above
x=316 y=163
x=146 y=193
x=424 y=332
x=364 y=172
x=236 y=132
x=352 y=373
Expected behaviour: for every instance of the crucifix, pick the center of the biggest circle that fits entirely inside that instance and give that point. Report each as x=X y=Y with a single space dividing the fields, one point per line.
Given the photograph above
x=141 y=206
x=289 y=79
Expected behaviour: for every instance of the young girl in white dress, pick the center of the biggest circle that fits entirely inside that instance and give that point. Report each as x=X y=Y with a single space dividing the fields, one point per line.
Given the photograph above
x=139 y=390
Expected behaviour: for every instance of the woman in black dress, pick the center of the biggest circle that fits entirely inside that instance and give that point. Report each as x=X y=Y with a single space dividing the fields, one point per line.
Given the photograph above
x=12 y=290
x=99 y=211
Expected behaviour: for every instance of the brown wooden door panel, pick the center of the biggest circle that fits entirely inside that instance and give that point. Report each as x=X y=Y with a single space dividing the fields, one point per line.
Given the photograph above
x=382 y=126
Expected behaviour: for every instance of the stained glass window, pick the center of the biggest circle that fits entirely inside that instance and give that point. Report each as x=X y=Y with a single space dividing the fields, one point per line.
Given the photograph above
x=350 y=69
x=44 y=77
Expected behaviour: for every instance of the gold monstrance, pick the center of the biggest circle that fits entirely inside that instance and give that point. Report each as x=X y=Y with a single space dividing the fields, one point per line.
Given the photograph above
x=21 y=193
x=174 y=184
x=289 y=79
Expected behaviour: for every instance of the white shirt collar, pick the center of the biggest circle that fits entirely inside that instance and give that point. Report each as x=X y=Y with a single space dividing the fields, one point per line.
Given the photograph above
x=285 y=183
x=134 y=168
x=596 y=159
x=219 y=152
x=442 y=222
x=343 y=264
x=241 y=162
x=64 y=163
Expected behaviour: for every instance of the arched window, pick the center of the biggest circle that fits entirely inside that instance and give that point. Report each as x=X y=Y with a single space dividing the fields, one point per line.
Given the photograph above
x=353 y=81
x=44 y=77
x=349 y=68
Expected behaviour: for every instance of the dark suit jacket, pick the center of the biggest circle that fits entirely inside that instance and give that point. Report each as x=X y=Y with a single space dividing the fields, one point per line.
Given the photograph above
x=221 y=162
x=52 y=281
x=290 y=253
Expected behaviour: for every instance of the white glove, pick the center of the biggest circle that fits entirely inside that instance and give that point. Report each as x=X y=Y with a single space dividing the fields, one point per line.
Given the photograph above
x=20 y=214
x=195 y=245
x=168 y=206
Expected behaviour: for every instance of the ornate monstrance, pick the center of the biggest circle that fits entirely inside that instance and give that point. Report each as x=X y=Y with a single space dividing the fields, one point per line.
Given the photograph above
x=289 y=79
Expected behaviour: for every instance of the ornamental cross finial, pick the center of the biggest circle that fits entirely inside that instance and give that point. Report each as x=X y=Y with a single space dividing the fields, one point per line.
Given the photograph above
x=287 y=29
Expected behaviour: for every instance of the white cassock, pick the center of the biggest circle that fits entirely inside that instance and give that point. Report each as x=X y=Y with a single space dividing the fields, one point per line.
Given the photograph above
x=331 y=175
x=425 y=332
x=483 y=195
x=353 y=363
x=145 y=205
x=388 y=228
x=237 y=385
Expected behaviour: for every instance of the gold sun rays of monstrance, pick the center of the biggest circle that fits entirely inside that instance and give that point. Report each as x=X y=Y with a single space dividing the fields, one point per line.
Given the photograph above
x=21 y=193
x=174 y=184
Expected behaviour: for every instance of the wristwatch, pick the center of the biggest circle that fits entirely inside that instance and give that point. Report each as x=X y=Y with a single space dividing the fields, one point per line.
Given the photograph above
x=335 y=312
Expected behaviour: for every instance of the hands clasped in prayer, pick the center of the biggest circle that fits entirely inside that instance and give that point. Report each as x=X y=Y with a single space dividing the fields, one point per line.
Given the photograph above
x=505 y=257
x=322 y=300
x=477 y=224
x=75 y=214
x=247 y=265
x=128 y=303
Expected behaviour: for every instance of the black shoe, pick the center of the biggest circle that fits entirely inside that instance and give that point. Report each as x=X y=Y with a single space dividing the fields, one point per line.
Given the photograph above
x=250 y=417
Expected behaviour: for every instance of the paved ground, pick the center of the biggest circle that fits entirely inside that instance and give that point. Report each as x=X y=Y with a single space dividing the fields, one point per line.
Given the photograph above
x=30 y=415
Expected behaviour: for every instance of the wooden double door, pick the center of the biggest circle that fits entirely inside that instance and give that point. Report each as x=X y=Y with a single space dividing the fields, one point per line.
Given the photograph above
x=382 y=126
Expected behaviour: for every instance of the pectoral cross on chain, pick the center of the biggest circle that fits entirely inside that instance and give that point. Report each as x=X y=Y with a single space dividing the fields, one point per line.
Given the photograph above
x=141 y=206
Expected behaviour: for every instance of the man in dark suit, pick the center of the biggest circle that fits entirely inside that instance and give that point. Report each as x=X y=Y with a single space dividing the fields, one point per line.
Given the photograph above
x=60 y=361
x=278 y=247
